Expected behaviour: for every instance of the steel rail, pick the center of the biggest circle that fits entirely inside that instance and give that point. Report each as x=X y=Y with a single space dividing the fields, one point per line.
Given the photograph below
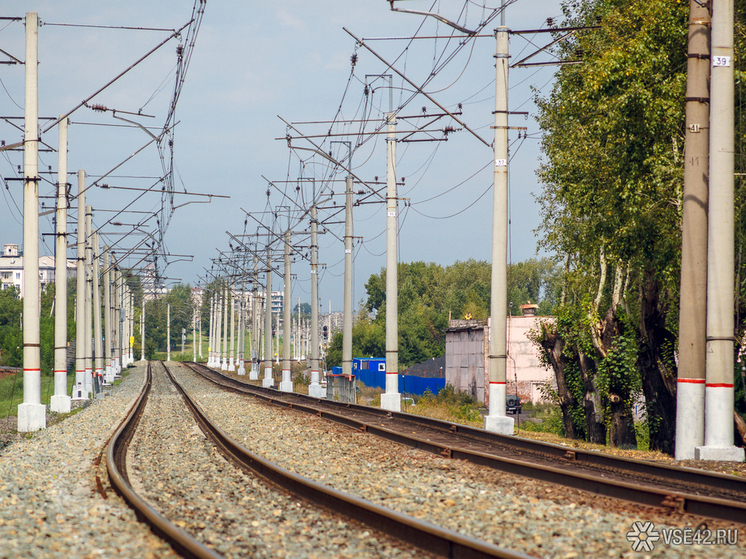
x=426 y=536
x=677 y=501
x=116 y=457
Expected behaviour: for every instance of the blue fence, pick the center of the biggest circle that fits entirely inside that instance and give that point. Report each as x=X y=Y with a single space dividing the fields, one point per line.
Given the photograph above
x=371 y=376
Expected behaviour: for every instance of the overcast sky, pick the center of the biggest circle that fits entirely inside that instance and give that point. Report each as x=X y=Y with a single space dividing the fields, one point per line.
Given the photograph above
x=252 y=62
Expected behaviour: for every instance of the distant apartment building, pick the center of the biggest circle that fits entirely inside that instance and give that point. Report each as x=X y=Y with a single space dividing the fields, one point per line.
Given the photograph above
x=11 y=269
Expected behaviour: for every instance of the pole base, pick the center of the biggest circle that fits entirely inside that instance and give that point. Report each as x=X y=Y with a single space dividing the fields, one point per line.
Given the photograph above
x=316 y=391
x=500 y=424
x=719 y=453
x=60 y=403
x=241 y=371
x=286 y=386
x=391 y=402
x=254 y=375
x=31 y=417
x=268 y=381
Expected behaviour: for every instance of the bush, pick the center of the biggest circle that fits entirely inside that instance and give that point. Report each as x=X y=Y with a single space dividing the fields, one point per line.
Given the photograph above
x=551 y=420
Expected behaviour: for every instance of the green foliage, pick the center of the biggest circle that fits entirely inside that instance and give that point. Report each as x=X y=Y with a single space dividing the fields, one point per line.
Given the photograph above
x=611 y=204
x=428 y=294
x=156 y=313
x=617 y=372
x=614 y=136
x=643 y=435
x=11 y=338
x=550 y=418
x=305 y=310
x=449 y=405
x=11 y=391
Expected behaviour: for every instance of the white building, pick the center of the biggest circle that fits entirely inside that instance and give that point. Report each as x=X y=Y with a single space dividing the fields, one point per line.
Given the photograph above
x=11 y=269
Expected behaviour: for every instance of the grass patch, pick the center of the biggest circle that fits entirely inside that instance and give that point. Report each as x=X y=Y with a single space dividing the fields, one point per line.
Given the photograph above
x=125 y=373
x=11 y=391
x=447 y=405
x=545 y=418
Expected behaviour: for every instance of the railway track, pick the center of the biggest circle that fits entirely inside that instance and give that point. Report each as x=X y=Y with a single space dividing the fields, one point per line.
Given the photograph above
x=678 y=490
x=434 y=540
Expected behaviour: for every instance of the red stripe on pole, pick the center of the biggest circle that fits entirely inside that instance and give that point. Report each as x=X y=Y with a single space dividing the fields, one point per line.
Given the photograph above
x=692 y=380
x=496 y=382
x=31 y=370
x=394 y=373
x=719 y=385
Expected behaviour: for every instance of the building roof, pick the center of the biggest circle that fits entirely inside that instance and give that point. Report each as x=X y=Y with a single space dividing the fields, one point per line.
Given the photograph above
x=434 y=367
x=461 y=325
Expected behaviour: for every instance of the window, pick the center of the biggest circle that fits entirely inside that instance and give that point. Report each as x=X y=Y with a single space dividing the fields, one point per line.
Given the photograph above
x=7 y=275
x=18 y=275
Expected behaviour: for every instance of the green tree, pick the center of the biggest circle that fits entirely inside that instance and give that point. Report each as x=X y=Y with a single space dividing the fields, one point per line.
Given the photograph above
x=611 y=206
x=428 y=295
x=11 y=339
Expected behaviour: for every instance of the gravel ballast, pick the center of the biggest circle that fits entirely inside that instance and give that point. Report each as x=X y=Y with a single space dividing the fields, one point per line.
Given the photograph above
x=49 y=506
x=179 y=471
x=539 y=519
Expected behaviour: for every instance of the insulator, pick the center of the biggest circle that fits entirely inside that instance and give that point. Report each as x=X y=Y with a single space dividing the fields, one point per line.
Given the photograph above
x=550 y=22
x=101 y=108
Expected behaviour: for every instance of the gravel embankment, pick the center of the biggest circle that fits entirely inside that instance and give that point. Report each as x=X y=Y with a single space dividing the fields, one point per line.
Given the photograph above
x=229 y=510
x=540 y=519
x=49 y=506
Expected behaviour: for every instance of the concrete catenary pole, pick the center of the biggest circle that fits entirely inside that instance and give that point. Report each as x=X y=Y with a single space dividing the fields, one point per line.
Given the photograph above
x=142 y=330
x=131 y=328
x=60 y=402
x=117 y=321
x=315 y=389
x=277 y=336
x=268 y=381
x=255 y=338
x=125 y=324
x=89 y=381
x=31 y=413
x=168 y=332
x=232 y=363
x=298 y=334
x=391 y=399
x=211 y=334
x=224 y=360
x=79 y=392
x=286 y=385
x=242 y=308
x=97 y=327
x=194 y=336
x=216 y=333
x=132 y=325
x=218 y=326
x=347 y=319
x=199 y=320
x=496 y=420
x=719 y=391
x=107 y=317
